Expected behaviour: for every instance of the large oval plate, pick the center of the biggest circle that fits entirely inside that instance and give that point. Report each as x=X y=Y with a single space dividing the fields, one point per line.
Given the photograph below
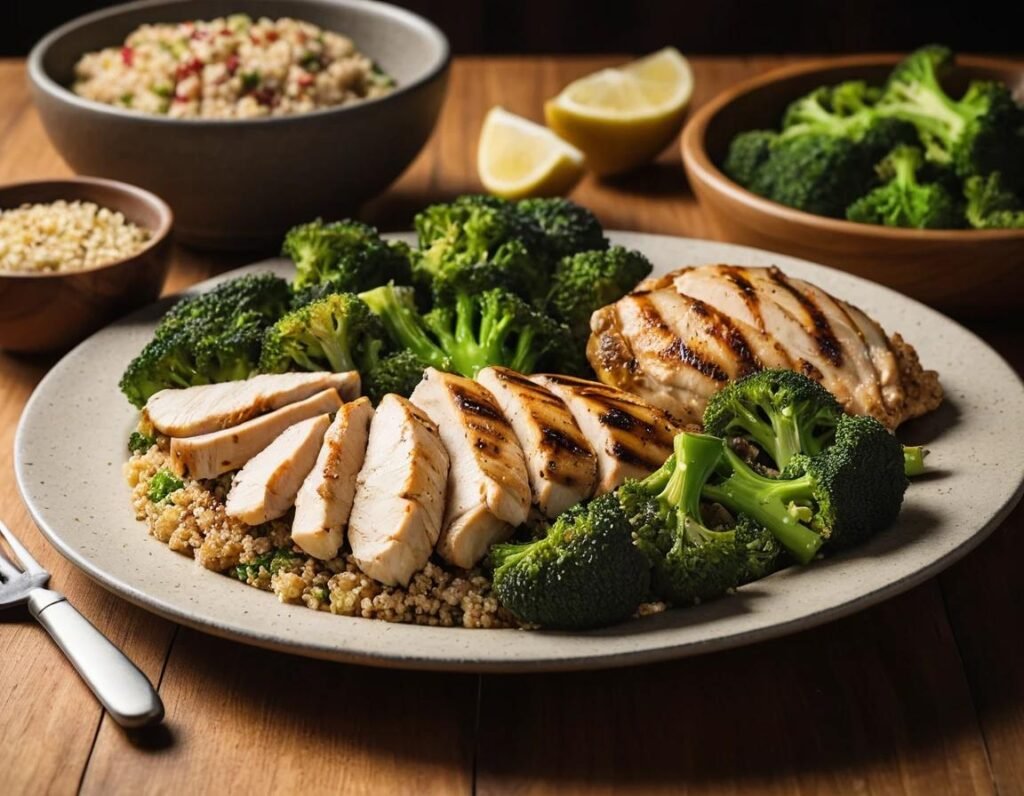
x=70 y=447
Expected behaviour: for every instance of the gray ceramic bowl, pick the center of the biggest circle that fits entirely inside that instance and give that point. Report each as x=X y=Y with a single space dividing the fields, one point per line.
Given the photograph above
x=240 y=184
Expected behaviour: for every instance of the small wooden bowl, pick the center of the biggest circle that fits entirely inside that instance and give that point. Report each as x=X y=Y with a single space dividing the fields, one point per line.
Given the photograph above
x=965 y=272
x=54 y=310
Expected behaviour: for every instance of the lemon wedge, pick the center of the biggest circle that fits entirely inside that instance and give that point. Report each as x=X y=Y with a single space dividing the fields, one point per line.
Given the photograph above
x=623 y=117
x=517 y=158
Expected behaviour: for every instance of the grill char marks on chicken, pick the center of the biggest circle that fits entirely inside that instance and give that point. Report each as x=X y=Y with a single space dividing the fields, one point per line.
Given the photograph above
x=560 y=462
x=631 y=437
x=673 y=339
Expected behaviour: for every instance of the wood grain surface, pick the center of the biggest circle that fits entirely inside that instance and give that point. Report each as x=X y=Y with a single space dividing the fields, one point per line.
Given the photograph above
x=922 y=694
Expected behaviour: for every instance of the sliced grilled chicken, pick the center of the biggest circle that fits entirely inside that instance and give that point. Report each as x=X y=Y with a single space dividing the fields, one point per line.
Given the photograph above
x=488 y=486
x=211 y=407
x=675 y=350
x=324 y=501
x=399 y=500
x=631 y=437
x=808 y=329
x=210 y=455
x=560 y=463
x=266 y=487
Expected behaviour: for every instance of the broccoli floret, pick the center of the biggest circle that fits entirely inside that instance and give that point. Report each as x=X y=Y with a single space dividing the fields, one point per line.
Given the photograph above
x=475 y=231
x=819 y=174
x=587 y=281
x=139 y=442
x=495 y=327
x=977 y=134
x=748 y=152
x=162 y=484
x=586 y=572
x=690 y=562
x=398 y=372
x=781 y=411
x=761 y=550
x=329 y=334
x=474 y=330
x=208 y=338
x=822 y=159
x=903 y=200
x=395 y=305
x=842 y=495
x=990 y=205
x=343 y=257
x=261 y=298
x=567 y=227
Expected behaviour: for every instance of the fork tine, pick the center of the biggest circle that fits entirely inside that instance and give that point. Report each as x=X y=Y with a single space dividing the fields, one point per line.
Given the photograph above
x=23 y=556
x=7 y=569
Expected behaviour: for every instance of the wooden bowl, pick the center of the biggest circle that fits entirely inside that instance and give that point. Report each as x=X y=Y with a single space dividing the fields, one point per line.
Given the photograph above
x=965 y=272
x=54 y=310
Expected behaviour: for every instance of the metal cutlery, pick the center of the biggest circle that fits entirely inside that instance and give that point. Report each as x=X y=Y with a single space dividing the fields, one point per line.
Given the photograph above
x=117 y=682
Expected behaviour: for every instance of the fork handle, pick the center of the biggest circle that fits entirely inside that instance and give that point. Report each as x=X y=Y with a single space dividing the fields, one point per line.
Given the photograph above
x=117 y=682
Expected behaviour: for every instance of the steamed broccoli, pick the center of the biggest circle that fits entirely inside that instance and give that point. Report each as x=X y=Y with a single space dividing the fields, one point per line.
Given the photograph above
x=474 y=330
x=343 y=257
x=587 y=281
x=586 y=572
x=781 y=411
x=254 y=297
x=567 y=227
x=977 y=134
x=903 y=200
x=990 y=205
x=397 y=372
x=395 y=305
x=493 y=328
x=842 y=495
x=162 y=484
x=330 y=334
x=690 y=561
x=211 y=337
x=748 y=152
x=474 y=230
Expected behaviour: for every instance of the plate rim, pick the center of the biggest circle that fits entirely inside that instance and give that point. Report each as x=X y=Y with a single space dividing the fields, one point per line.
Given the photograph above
x=463 y=662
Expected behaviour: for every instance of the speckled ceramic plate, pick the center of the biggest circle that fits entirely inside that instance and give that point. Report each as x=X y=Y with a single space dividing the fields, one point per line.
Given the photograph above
x=71 y=444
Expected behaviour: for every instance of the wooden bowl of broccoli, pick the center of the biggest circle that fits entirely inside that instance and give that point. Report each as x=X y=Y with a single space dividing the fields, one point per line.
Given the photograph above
x=907 y=170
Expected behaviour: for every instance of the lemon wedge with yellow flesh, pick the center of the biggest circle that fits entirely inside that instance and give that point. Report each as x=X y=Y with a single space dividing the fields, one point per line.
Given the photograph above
x=518 y=158
x=623 y=117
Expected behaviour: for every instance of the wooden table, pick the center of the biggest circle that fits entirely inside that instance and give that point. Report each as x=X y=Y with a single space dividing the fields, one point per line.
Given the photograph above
x=922 y=694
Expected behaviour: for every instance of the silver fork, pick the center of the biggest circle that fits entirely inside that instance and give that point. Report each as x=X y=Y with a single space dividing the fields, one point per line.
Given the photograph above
x=117 y=682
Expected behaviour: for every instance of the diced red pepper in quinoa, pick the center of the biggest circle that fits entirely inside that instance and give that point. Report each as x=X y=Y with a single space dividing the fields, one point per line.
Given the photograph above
x=128 y=55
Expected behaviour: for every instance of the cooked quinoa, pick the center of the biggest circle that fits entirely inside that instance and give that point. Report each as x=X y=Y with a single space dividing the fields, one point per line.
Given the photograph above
x=230 y=68
x=66 y=236
x=192 y=520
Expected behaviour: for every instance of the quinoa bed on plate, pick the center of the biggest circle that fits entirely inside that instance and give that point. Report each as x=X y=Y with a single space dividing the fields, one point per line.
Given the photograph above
x=192 y=520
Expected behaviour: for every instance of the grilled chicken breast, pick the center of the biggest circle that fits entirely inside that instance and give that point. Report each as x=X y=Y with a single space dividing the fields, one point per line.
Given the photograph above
x=211 y=407
x=561 y=465
x=400 y=490
x=488 y=486
x=679 y=338
x=266 y=487
x=631 y=437
x=324 y=501
x=210 y=455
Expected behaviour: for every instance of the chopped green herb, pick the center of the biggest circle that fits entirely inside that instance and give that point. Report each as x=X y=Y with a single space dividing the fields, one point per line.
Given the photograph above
x=140 y=443
x=250 y=80
x=163 y=484
x=272 y=561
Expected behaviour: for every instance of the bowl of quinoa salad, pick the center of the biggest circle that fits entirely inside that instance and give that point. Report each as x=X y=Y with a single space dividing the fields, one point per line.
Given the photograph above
x=247 y=117
x=74 y=255
x=230 y=68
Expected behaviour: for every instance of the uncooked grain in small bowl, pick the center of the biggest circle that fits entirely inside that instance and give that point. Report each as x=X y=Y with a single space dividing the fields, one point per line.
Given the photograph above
x=66 y=236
